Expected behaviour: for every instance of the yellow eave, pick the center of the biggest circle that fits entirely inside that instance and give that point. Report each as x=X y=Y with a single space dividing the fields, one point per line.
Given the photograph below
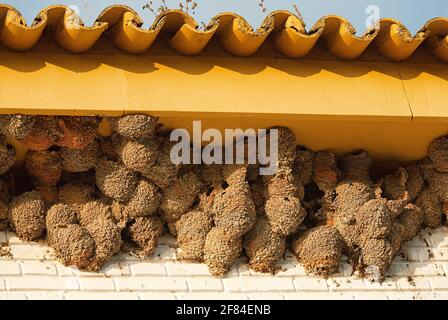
x=183 y=74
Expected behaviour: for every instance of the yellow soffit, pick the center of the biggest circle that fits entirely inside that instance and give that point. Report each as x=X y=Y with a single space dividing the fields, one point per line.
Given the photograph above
x=284 y=29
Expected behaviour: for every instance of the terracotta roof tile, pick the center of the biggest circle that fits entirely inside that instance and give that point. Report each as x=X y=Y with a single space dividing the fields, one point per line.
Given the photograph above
x=287 y=32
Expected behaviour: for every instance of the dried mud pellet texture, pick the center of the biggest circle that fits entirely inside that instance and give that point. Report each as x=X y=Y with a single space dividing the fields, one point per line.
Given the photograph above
x=177 y=199
x=438 y=184
x=80 y=160
x=7 y=155
x=4 y=208
x=278 y=203
x=101 y=189
x=284 y=214
x=48 y=193
x=233 y=207
x=235 y=175
x=356 y=167
x=438 y=153
x=411 y=218
x=19 y=126
x=134 y=126
x=415 y=182
x=356 y=209
x=404 y=180
x=60 y=215
x=144 y=233
x=5 y=119
x=77 y=132
x=27 y=215
x=43 y=135
x=253 y=172
x=234 y=210
x=118 y=214
x=73 y=246
x=44 y=168
x=93 y=211
x=351 y=195
x=191 y=231
x=107 y=239
x=114 y=180
x=286 y=147
x=263 y=247
x=396 y=236
x=346 y=225
x=284 y=185
x=259 y=194
x=75 y=194
x=164 y=172
x=373 y=219
x=377 y=255
x=107 y=147
x=221 y=250
x=211 y=174
x=426 y=168
x=138 y=155
x=144 y=201
x=394 y=185
x=303 y=165
x=431 y=208
x=325 y=171
x=319 y=250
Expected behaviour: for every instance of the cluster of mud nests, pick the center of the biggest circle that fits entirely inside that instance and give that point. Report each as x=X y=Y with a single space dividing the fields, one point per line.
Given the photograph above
x=91 y=197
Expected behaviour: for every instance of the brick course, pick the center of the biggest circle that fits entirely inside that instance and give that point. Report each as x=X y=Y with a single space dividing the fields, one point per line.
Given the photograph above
x=419 y=272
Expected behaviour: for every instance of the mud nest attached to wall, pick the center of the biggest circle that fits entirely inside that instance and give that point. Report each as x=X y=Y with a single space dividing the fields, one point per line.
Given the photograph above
x=92 y=196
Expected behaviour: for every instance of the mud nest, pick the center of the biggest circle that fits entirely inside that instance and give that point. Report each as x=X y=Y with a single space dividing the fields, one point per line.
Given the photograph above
x=92 y=196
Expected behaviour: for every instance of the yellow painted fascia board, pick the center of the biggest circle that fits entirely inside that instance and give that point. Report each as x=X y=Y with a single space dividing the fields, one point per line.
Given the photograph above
x=116 y=84
x=391 y=110
x=426 y=88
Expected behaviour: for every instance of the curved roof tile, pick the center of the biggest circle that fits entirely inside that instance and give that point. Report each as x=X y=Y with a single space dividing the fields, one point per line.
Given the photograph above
x=286 y=31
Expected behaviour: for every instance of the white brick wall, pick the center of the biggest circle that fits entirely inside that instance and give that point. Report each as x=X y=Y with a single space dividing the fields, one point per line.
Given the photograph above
x=419 y=272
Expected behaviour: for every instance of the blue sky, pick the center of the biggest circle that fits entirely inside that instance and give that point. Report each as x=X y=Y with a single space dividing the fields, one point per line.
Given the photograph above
x=413 y=13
